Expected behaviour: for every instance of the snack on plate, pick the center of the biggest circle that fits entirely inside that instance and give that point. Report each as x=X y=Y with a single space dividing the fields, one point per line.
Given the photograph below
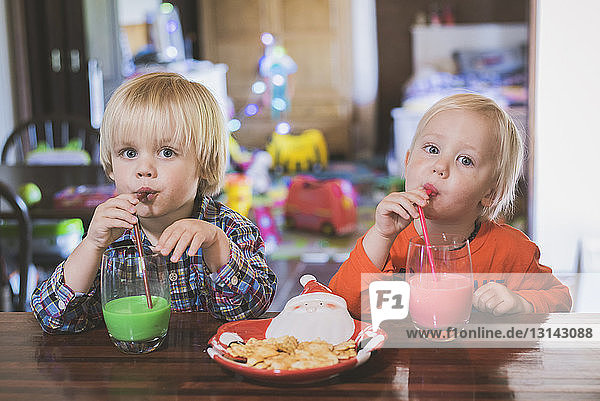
x=287 y=353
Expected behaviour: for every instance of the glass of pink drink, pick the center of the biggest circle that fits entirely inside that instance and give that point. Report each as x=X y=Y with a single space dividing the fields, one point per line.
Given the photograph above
x=132 y=325
x=440 y=299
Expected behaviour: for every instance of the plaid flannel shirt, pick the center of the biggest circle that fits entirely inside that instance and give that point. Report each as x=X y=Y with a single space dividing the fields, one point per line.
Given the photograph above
x=243 y=288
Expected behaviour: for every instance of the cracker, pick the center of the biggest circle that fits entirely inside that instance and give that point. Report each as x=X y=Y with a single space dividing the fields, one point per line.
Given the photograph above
x=286 y=352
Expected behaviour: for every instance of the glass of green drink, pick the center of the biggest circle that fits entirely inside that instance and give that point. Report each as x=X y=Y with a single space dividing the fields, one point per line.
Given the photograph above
x=132 y=325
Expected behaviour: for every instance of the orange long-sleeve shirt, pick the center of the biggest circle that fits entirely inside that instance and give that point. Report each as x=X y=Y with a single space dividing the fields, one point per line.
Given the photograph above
x=497 y=248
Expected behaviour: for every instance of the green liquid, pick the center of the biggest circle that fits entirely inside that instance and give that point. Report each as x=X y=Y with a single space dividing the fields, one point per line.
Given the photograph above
x=129 y=319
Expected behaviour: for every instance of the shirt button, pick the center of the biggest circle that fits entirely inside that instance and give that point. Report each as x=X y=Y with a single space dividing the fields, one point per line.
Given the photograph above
x=173 y=276
x=61 y=304
x=234 y=280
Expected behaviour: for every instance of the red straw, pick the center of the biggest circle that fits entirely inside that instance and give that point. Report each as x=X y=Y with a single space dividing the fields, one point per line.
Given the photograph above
x=138 y=243
x=426 y=235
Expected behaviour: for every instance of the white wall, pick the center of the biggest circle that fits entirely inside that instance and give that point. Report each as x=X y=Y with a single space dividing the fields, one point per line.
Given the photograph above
x=365 y=77
x=133 y=12
x=6 y=90
x=567 y=133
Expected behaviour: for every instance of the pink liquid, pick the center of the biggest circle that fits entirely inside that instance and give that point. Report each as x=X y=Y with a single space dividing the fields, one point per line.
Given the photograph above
x=440 y=302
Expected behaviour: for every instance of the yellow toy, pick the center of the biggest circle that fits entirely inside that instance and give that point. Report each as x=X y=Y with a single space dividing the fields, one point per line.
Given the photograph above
x=238 y=155
x=294 y=153
x=238 y=189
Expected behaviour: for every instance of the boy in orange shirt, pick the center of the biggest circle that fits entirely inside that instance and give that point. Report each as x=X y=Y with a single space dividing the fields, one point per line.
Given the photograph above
x=467 y=154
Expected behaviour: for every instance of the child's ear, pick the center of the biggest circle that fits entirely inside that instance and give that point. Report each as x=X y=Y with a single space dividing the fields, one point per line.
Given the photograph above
x=406 y=159
x=111 y=175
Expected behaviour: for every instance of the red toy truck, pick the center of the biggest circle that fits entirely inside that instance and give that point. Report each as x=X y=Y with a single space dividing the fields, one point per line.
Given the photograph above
x=327 y=206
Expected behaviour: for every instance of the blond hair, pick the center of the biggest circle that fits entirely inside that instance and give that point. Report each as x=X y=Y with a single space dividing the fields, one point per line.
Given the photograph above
x=511 y=150
x=158 y=105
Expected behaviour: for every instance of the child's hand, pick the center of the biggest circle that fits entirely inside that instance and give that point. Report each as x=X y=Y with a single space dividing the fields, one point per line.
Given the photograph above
x=397 y=210
x=194 y=234
x=111 y=219
x=498 y=300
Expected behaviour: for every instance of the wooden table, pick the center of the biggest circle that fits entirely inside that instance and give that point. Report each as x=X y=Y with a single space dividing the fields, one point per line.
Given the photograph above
x=38 y=366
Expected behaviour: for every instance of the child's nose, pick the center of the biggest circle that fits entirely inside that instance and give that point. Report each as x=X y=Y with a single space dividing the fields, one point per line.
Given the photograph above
x=145 y=169
x=144 y=173
x=440 y=169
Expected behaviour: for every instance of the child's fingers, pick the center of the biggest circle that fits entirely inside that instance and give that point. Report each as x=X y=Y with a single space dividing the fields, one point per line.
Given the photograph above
x=167 y=240
x=130 y=197
x=409 y=206
x=502 y=308
x=495 y=305
x=481 y=296
x=120 y=214
x=118 y=223
x=416 y=198
x=117 y=203
x=125 y=200
x=195 y=245
x=400 y=210
x=181 y=246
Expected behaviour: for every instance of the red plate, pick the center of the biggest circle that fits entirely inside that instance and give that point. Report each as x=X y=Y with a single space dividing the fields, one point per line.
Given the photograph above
x=246 y=329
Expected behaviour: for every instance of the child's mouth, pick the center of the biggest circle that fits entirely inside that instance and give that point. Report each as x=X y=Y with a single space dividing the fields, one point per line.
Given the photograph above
x=430 y=189
x=146 y=195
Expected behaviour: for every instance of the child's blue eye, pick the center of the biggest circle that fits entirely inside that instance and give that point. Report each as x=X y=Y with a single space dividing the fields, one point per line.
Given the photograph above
x=465 y=161
x=432 y=149
x=129 y=153
x=167 y=152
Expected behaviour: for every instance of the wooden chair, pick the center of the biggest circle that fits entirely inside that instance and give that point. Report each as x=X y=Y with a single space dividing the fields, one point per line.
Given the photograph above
x=54 y=131
x=9 y=196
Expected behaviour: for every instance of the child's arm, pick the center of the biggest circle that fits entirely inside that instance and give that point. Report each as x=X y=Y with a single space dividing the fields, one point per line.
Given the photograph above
x=354 y=276
x=109 y=222
x=59 y=309
x=243 y=285
x=529 y=286
x=371 y=254
x=68 y=300
x=393 y=214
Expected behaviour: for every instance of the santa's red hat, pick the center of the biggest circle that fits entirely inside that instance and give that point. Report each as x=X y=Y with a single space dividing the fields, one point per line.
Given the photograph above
x=310 y=284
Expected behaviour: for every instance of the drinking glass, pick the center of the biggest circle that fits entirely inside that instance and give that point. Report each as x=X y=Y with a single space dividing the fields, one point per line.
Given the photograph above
x=132 y=326
x=440 y=299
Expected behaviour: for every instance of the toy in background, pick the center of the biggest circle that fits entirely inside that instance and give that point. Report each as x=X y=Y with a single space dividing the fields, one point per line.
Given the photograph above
x=271 y=88
x=238 y=190
x=267 y=226
x=258 y=171
x=274 y=67
x=328 y=206
x=240 y=158
x=255 y=165
x=296 y=153
x=83 y=196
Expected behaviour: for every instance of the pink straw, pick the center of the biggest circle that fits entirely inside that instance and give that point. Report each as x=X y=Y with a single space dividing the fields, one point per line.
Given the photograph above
x=426 y=235
x=138 y=243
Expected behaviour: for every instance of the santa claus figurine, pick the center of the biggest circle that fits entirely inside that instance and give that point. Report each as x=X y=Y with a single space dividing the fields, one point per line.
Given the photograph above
x=316 y=313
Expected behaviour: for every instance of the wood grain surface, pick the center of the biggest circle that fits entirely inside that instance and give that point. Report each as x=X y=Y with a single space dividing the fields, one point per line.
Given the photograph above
x=86 y=366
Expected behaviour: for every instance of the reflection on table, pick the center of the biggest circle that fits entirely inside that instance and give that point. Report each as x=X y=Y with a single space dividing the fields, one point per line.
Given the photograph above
x=87 y=366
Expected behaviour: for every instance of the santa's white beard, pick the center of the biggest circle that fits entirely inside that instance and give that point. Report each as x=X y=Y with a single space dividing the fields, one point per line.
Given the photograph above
x=309 y=323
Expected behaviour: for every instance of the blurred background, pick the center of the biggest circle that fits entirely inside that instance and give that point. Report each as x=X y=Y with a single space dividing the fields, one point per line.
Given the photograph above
x=332 y=90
